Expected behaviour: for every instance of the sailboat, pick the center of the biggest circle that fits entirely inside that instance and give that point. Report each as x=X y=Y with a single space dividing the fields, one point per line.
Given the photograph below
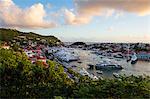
x=128 y=57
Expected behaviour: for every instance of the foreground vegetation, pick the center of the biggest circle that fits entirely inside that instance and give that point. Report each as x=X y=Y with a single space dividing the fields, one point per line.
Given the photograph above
x=20 y=78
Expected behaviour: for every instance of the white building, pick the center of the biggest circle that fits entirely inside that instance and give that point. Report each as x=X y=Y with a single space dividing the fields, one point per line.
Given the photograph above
x=5 y=47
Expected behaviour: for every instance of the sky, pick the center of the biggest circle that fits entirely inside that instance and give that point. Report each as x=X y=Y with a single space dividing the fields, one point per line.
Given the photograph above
x=80 y=20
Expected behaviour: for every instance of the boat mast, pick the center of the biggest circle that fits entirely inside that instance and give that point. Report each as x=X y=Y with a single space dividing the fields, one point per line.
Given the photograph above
x=128 y=58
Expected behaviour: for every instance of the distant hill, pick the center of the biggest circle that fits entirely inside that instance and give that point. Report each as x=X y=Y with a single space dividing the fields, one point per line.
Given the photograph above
x=10 y=34
x=79 y=43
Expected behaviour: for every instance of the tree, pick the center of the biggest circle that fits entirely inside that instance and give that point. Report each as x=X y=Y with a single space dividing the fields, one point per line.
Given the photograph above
x=19 y=78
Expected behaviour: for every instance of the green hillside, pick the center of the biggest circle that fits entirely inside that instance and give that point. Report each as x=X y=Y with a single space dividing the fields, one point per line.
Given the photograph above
x=10 y=34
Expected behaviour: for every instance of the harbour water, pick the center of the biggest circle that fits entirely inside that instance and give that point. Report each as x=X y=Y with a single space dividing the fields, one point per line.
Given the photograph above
x=86 y=57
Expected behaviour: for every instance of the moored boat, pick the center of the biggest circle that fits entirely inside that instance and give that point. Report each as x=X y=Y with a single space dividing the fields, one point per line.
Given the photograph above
x=116 y=75
x=83 y=72
x=91 y=66
x=99 y=72
x=134 y=58
x=66 y=55
x=108 y=65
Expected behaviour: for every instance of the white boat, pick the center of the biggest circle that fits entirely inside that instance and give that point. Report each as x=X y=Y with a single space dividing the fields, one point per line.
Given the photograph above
x=133 y=58
x=99 y=72
x=118 y=56
x=83 y=72
x=93 y=77
x=66 y=55
x=116 y=75
x=106 y=64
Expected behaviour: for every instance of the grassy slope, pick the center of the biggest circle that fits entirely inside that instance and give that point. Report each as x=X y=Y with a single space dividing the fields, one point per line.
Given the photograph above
x=9 y=34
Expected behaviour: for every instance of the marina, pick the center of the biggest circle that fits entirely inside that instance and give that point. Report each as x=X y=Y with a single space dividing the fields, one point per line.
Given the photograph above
x=86 y=59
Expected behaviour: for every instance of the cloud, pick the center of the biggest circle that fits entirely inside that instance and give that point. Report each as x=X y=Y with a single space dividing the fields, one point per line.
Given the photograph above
x=87 y=9
x=71 y=18
x=13 y=16
x=110 y=29
x=136 y=38
x=95 y=7
x=119 y=14
x=36 y=16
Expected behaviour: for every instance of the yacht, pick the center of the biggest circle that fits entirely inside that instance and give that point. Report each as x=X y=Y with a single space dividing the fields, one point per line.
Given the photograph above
x=66 y=55
x=118 y=56
x=134 y=58
x=106 y=64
